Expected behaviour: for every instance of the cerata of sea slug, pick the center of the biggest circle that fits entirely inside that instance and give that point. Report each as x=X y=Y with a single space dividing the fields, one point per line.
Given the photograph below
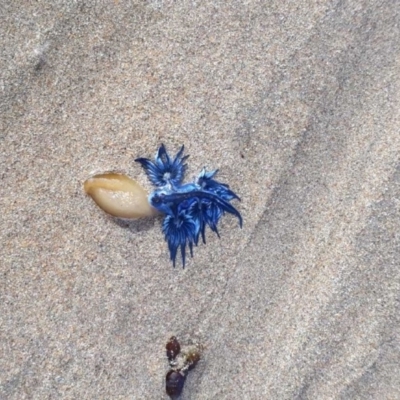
x=188 y=208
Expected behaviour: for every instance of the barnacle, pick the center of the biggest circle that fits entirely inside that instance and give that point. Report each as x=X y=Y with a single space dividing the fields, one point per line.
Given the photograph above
x=174 y=381
x=188 y=208
x=173 y=348
x=180 y=364
x=119 y=195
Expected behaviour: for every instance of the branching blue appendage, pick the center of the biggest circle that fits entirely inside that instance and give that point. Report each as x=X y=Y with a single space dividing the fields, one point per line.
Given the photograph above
x=163 y=171
x=190 y=207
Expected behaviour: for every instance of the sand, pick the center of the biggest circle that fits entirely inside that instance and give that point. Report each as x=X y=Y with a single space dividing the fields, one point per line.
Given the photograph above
x=297 y=103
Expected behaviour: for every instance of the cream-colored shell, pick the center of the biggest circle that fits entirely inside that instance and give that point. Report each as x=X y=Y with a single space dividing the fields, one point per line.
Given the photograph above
x=119 y=195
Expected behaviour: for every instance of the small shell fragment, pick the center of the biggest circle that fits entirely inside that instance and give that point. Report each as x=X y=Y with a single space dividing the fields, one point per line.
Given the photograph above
x=119 y=195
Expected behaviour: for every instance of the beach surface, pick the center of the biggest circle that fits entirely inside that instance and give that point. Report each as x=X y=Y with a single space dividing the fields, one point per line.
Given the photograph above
x=296 y=103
